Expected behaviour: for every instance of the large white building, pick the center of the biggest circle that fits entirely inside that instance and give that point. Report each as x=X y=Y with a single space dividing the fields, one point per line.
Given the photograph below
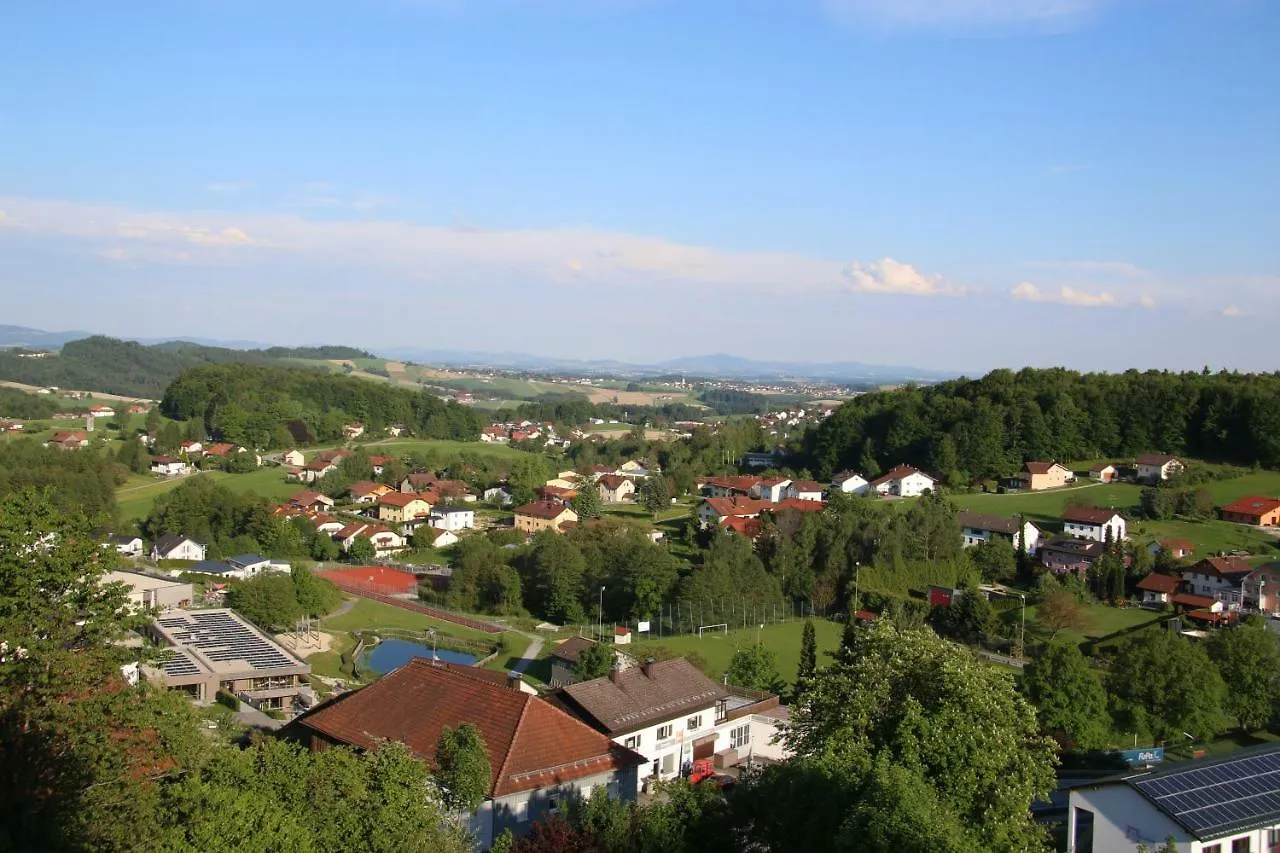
x=1100 y=525
x=1221 y=805
x=903 y=482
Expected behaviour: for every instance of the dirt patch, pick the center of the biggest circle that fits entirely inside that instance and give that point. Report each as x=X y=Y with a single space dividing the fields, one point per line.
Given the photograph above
x=633 y=398
x=394 y=367
x=306 y=645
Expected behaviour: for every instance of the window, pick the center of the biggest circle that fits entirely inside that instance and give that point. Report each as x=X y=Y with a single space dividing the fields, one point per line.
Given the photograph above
x=520 y=811
x=669 y=763
x=1241 y=845
x=1213 y=848
x=664 y=732
x=694 y=723
x=633 y=741
x=740 y=737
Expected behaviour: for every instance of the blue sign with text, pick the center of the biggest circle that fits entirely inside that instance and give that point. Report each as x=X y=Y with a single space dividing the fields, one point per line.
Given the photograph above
x=1147 y=755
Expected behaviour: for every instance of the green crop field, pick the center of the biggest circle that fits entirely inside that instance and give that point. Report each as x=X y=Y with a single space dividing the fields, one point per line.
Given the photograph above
x=138 y=494
x=716 y=650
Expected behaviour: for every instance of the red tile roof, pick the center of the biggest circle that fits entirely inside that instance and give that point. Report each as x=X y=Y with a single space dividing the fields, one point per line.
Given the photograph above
x=381 y=460
x=748 y=527
x=531 y=744
x=306 y=498
x=612 y=482
x=1186 y=599
x=1252 y=505
x=1231 y=569
x=363 y=487
x=1177 y=545
x=542 y=509
x=737 y=506
x=1155 y=582
x=739 y=484
x=398 y=499
x=1041 y=467
x=219 y=449
x=1089 y=515
x=806 y=486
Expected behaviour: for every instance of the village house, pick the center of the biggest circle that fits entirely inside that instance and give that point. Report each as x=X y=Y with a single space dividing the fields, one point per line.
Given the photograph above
x=851 y=483
x=742 y=526
x=293 y=457
x=418 y=481
x=805 y=490
x=498 y=495
x=1220 y=579
x=367 y=492
x=1038 y=476
x=1156 y=467
x=1178 y=549
x=68 y=440
x=539 y=755
x=711 y=511
x=903 y=482
x=1211 y=805
x=1254 y=510
x=1157 y=589
x=380 y=463
x=310 y=502
x=727 y=487
x=191 y=448
x=1103 y=472
x=102 y=411
x=452 y=518
x=400 y=507
x=126 y=545
x=1262 y=590
x=543 y=515
x=615 y=489
x=242 y=567
x=167 y=466
x=223 y=450
x=566 y=480
x=672 y=714
x=353 y=430
x=171 y=546
x=977 y=528
x=1101 y=525
x=634 y=468
x=443 y=538
x=556 y=494
x=564 y=660
x=316 y=469
x=1066 y=555
x=385 y=541
x=495 y=435
x=771 y=489
x=756 y=459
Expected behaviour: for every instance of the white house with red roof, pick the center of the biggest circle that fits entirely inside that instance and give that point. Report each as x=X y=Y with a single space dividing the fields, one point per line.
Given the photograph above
x=850 y=482
x=1100 y=525
x=903 y=481
x=711 y=511
x=1154 y=467
x=771 y=489
x=805 y=490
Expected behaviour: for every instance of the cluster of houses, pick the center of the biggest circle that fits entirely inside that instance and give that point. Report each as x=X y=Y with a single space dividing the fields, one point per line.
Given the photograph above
x=503 y=433
x=1086 y=533
x=1216 y=590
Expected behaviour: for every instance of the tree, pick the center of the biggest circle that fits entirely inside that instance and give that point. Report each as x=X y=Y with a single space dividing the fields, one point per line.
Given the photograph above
x=915 y=702
x=324 y=549
x=1248 y=658
x=315 y=595
x=268 y=600
x=654 y=495
x=1067 y=693
x=132 y=456
x=756 y=667
x=587 y=503
x=995 y=559
x=362 y=550
x=423 y=539
x=462 y=767
x=594 y=661
x=169 y=439
x=808 y=657
x=152 y=422
x=553 y=588
x=968 y=618
x=1060 y=610
x=1161 y=685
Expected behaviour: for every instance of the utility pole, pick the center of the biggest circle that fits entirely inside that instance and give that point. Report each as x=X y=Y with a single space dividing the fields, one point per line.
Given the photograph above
x=600 y=617
x=857 y=571
x=1022 y=629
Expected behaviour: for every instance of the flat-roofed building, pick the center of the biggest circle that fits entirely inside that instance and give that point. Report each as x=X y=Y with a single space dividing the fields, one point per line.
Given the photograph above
x=212 y=650
x=148 y=592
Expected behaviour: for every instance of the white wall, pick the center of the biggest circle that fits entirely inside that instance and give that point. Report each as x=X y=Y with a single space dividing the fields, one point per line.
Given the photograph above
x=853 y=486
x=914 y=485
x=679 y=745
x=1123 y=819
x=1119 y=530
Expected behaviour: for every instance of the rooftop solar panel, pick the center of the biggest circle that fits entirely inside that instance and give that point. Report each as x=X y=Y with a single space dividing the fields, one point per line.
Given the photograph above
x=1225 y=795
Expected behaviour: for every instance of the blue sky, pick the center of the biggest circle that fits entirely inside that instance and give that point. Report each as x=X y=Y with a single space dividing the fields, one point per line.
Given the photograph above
x=949 y=183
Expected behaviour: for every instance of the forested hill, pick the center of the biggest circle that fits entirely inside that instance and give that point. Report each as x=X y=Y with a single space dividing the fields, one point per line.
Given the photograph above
x=253 y=405
x=100 y=363
x=990 y=426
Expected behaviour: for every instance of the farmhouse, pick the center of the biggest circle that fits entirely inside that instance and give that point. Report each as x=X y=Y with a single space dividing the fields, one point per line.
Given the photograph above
x=68 y=441
x=1038 y=476
x=1065 y=555
x=400 y=507
x=1258 y=511
x=418 y=481
x=977 y=528
x=727 y=487
x=1158 y=589
x=310 y=501
x=1155 y=467
x=385 y=541
x=1101 y=525
x=1103 y=472
x=1213 y=805
x=538 y=754
x=903 y=482
x=543 y=515
x=214 y=650
x=126 y=545
x=771 y=489
x=293 y=457
x=367 y=492
x=615 y=488
x=1175 y=548
x=167 y=466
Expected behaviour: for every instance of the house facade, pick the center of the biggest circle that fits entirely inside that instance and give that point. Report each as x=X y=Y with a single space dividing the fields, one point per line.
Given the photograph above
x=1038 y=476
x=400 y=507
x=1158 y=590
x=977 y=528
x=615 y=488
x=539 y=755
x=851 y=483
x=543 y=515
x=1262 y=589
x=167 y=466
x=127 y=546
x=903 y=482
x=1215 y=805
x=452 y=518
x=712 y=511
x=1157 y=467
x=1100 y=525
x=1219 y=579
x=173 y=547
x=771 y=489
x=1254 y=510
x=1104 y=472
x=1066 y=555
x=805 y=490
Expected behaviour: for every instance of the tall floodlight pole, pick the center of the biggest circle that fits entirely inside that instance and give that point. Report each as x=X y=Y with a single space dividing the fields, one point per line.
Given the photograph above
x=600 y=617
x=1022 y=630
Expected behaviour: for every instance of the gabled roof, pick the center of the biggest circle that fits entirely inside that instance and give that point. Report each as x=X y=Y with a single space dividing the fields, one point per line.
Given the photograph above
x=1100 y=467
x=1089 y=515
x=530 y=743
x=632 y=699
x=219 y=449
x=571 y=649
x=1177 y=545
x=1042 y=467
x=1186 y=599
x=798 y=505
x=806 y=486
x=166 y=542
x=1156 y=459
x=399 y=499
x=542 y=509
x=1156 y=582
x=307 y=498
x=612 y=482
x=420 y=479
x=365 y=487
x=736 y=506
x=242 y=560
x=1252 y=505
x=1007 y=525
x=748 y=527
x=844 y=476
x=900 y=472
x=1231 y=569
x=1076 y=547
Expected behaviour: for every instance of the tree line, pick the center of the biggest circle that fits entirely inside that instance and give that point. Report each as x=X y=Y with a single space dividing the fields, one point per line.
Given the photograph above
x=256 y=406
x=79 y=481
x=988 y=427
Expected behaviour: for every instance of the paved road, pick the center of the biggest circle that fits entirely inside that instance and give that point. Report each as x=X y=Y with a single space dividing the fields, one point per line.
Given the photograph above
x=531 y=653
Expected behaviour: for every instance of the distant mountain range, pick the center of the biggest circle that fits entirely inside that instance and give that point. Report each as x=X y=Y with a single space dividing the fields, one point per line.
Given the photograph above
x=715 y=366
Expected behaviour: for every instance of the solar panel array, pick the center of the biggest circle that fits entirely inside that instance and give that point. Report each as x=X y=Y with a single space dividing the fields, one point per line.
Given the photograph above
x=1223 y=795
x=178 y=664
x=221 y=637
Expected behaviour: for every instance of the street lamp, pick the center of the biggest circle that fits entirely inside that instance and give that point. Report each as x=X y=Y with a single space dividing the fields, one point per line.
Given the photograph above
x=432 y=632
x=1022 y=630
x=857 y=571
x=758 y=630
x=600 y=617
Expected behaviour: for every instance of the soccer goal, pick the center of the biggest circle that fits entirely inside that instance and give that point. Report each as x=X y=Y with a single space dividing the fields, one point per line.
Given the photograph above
x=722 y=628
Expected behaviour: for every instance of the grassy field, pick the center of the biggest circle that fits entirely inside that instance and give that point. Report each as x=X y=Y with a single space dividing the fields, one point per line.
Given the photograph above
x=716 y=650
x=443 y=448
x=1103 y=621
x=1049 y=506
x=138 y=494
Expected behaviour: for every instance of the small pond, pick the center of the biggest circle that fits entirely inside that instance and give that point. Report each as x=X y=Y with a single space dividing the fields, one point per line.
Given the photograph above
x=390 y=654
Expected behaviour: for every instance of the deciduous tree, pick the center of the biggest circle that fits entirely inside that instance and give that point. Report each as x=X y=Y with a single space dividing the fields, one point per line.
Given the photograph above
x=594 y=661
x=1161 y=685
x=462 y=767
x=1248 y=658
x=1067 y=693
x=756 y=667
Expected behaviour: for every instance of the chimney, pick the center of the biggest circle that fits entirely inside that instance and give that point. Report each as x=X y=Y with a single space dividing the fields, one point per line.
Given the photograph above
x=615 y=671
x=648 y=668
x=514 y=680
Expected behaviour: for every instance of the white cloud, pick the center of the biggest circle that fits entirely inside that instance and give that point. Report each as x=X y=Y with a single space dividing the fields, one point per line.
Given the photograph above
x=1232 y=311
x=1064 y=295
x=962 y=13
x=890 y=276
x=1147 y=301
